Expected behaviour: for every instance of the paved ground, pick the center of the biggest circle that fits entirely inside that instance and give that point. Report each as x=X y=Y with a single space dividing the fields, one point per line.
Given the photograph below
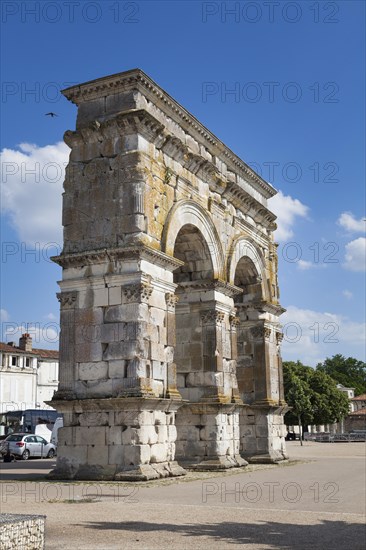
x=315 y=502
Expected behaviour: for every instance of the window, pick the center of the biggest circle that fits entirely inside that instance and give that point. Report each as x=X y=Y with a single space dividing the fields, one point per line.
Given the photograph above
x=27 y=362
x=14 y=438
x=14 y=360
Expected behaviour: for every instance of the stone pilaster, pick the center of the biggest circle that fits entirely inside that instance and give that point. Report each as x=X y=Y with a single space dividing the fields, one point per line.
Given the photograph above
x=68 y=304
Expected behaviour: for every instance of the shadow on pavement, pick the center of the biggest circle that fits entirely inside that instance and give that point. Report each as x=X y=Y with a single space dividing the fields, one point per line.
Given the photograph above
x=327 y=534
x=25 y=470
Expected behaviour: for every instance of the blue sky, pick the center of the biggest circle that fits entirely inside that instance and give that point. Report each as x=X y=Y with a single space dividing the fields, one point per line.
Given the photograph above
x=281 y=83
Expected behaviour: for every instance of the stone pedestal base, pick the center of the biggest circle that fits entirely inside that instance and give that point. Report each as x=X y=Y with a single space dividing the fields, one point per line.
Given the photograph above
x=262 y=433
x=117 y=439
x=145 y=472
x=221 y=463
x=208 y=436
x=272 y=457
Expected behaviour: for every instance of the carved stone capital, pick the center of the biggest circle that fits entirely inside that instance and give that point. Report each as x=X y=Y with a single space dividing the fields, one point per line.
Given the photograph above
x=267 y=332
x=139 y=292
x=67 y=299
x=171 y=300
x=260 y=331
x=212 y=317
x=234 y=321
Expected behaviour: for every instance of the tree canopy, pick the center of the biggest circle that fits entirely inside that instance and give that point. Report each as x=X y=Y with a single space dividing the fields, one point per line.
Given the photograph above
x=313 y=396
x=349 y=372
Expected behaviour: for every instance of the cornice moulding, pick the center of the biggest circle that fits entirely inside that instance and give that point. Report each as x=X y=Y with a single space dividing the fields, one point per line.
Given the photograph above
x=91 y=257
x=136 y=79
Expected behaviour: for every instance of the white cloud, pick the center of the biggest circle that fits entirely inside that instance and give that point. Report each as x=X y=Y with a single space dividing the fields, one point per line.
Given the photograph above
x=356 y=255
x=348 y=294
x=348 y=221
x=51 y=317
x=287 y=211
x=4 y=315
x=43 y=335
x=304 y=265
x=311 y=336
x=32 y=180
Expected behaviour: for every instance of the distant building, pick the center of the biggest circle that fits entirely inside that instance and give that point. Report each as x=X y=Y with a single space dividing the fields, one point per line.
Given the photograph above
x=356 y=420
x=349 y=391
x=28 y=376
x=358 y=402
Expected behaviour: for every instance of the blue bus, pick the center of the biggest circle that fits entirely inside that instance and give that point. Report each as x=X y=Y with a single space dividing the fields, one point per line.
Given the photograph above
x=26 y=420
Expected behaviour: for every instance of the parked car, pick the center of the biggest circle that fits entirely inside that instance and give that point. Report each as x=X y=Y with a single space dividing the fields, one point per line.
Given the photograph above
x=23 y=445
x=291 y=436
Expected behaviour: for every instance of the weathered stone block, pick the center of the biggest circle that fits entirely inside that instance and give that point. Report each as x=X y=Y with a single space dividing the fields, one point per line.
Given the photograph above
x=127 y=312
x=114 y=295
x=90 y=352
x=97 y=454
x=116 y=454
x=137 y=454
x=162 y=432
x=117 y=369
x=93 y=371
x=159 y=453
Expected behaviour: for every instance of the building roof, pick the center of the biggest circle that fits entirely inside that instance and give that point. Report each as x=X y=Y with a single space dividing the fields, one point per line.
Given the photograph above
x=37 y=352
x=47 y=353
x=340 y=387
x=361 y=397
x=360 y=412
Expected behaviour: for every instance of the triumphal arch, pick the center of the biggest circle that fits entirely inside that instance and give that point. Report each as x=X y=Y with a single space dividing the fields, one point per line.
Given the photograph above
x=170 y=334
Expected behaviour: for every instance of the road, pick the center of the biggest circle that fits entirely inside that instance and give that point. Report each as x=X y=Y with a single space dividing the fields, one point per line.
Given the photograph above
x=316 y=501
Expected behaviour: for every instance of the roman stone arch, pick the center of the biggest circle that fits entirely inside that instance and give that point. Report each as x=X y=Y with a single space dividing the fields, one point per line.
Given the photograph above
x=170 y=334
x=189 y=212
x=259 y=367
x=243 y=249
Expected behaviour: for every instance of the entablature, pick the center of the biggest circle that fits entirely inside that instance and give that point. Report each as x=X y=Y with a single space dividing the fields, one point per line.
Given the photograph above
x=154 y=97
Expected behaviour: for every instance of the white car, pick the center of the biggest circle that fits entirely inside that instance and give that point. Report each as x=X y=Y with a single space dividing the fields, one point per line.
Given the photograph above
x=26 y=446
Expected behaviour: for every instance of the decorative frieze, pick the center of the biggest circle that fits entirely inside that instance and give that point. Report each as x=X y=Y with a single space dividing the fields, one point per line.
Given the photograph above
x=117 y=254
x=219 y=286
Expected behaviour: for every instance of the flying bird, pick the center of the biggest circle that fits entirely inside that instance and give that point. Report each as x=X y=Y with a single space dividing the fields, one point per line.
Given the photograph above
x=51 y=114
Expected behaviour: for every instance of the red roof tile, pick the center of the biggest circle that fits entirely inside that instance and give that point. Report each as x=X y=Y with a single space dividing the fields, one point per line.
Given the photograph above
x=360 y=412
x=47 y=353
x=43 y=353
x=359 y=397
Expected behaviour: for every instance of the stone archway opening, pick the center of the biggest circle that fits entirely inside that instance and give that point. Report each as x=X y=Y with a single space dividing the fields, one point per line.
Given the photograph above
x=208 y=423
x=193 y=280
x=248 y=305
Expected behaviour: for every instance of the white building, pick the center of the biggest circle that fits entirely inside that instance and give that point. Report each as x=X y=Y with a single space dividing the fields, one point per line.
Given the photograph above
x=28 y=376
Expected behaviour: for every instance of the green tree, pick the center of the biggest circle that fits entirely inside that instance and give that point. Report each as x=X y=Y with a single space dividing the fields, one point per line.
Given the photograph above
x=297 y=394
x=349 y=372
x=328 y=403
x=312 y=395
